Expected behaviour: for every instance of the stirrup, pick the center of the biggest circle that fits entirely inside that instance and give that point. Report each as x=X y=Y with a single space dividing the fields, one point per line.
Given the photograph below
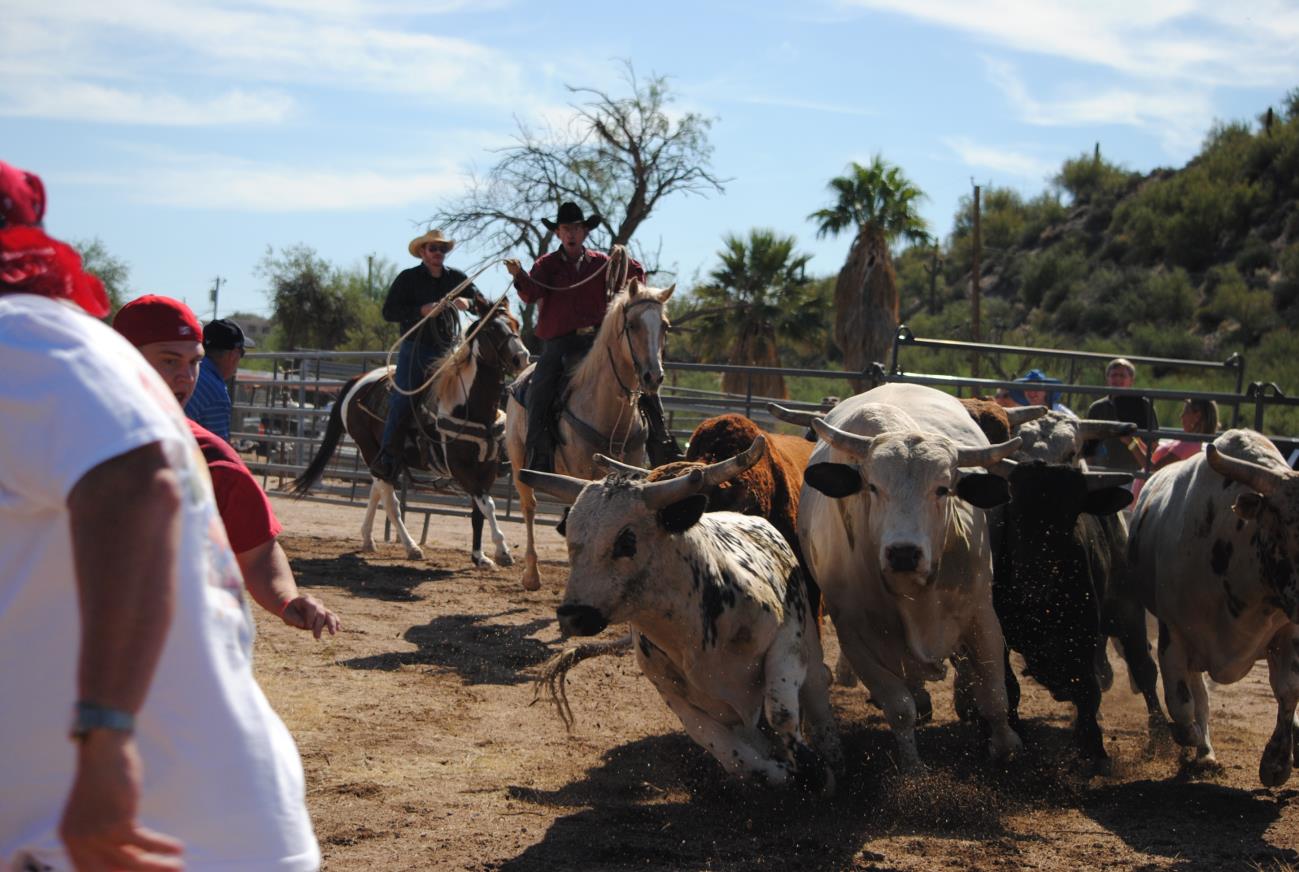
x=386 y=468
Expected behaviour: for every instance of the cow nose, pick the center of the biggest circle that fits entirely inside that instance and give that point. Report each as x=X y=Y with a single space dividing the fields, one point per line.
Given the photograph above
x=580 y=620
x=902 y=558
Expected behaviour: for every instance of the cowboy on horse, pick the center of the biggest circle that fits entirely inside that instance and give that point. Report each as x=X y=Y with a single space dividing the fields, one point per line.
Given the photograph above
x=413 y=296
x=571 y=292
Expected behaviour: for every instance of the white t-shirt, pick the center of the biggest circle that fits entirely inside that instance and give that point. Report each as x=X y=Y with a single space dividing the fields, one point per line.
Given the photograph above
x=221 y=772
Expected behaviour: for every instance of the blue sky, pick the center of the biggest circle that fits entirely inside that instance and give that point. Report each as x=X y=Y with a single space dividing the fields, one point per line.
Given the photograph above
x=189 y=135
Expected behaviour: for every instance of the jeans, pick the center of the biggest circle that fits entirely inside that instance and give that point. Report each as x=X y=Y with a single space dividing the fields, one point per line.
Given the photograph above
x=413 y=360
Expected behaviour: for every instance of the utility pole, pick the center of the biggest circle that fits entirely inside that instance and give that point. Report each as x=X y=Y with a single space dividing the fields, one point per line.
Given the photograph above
x=975 y=278
x=214 y=294
x=932 y=270
x=369 y=276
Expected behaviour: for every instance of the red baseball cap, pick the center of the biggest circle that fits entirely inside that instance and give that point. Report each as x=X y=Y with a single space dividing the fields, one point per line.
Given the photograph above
x=22 y=197
x=152 y=318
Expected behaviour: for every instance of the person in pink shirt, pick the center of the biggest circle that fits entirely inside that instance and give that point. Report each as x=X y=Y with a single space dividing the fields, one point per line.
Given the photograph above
x=1198 y=416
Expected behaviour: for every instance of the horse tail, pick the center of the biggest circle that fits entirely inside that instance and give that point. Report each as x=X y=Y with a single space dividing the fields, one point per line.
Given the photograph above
x=333 y=434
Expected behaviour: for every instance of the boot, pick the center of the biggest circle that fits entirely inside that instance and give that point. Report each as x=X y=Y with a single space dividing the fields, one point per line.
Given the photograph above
x=540 y=454
x=387 y=464
x=660 y=444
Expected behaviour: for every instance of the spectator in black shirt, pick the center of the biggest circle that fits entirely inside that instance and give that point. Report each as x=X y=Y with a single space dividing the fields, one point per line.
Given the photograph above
x=1122 y=452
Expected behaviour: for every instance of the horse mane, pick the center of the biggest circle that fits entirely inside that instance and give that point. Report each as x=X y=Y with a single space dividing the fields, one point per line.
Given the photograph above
x=457 y=368
x=597 y=359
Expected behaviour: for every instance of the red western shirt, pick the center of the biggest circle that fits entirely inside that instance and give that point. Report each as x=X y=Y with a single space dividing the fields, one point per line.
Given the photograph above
x=581 y=304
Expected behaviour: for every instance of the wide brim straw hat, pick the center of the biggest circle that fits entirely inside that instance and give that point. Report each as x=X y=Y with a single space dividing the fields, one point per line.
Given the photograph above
x=418 y=243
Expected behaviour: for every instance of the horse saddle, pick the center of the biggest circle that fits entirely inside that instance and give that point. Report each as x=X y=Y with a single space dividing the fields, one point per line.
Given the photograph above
x=520 y=387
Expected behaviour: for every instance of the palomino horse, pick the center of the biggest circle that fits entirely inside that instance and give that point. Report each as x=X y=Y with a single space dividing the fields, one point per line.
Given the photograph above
x=600 y=412
x=464 y=400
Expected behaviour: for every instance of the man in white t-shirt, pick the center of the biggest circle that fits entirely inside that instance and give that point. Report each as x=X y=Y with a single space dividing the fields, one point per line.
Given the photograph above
x=121 y=605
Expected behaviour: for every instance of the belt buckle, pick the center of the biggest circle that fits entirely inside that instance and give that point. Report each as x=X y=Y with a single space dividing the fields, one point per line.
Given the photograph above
x=584 y=331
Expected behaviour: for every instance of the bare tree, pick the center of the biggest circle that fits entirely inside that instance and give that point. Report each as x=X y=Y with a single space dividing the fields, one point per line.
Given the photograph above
x=619 y=157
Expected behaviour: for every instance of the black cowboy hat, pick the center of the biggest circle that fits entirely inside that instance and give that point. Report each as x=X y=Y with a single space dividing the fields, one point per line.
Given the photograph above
x=571 y=213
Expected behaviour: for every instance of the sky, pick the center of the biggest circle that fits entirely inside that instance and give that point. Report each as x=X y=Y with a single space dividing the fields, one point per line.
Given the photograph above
x=190 y=135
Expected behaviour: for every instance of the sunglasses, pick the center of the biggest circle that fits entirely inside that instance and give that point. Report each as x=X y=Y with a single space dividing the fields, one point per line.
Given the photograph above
x=437 y=246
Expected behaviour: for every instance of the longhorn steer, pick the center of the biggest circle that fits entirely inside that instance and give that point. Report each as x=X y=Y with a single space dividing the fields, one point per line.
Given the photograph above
x=719 y=618
x=1215 y=546
x=894 y=533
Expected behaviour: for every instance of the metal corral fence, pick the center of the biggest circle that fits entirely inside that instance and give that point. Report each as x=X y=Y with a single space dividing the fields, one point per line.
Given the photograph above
x=280 y=411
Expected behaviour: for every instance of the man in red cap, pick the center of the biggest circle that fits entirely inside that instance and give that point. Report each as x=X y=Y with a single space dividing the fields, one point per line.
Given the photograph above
x=170 y=338
x=118 y=591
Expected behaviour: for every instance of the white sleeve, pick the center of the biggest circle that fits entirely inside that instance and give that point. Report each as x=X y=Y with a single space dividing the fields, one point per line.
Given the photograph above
x=71 y=398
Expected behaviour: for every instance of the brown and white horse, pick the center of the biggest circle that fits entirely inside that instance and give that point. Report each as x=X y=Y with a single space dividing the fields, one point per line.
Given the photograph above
x=600 y=411
x=464 y=400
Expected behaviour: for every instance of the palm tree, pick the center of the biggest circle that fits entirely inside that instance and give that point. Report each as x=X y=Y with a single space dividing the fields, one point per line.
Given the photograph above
x=879 y=204
x=758 y=293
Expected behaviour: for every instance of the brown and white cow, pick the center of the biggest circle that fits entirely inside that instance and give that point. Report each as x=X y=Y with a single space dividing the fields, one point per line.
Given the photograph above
x=719 y=617
x=893 y=529
x=1215 y=547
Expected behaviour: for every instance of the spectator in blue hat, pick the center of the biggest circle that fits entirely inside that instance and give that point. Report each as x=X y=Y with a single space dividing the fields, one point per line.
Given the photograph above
x=1039 y=396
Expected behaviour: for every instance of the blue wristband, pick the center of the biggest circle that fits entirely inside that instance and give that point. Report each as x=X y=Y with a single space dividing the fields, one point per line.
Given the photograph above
x=91 y=716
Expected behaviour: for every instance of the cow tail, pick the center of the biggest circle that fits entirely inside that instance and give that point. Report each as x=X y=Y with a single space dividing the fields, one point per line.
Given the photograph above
x=552 y=675
x=333 y=434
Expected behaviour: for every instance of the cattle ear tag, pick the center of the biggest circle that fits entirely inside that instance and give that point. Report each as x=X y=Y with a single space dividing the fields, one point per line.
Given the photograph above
x=983 y=490
x=1248 y=506
x=835 y=480
x=1107 y=501
x=683 y=514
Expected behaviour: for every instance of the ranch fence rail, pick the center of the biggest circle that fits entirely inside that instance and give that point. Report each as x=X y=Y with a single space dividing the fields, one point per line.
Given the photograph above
x=282 y=407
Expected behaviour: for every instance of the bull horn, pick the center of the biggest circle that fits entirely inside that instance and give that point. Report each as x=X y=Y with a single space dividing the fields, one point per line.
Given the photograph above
x=1100 y=480
x=664 y=493
x=849 y=443
x=1024 y=414
x=1092 y=428
x=608 y=464
x=564 y=488
x=793 y=416
x=1252 y=475
x=987 y=455
x=1002 y=468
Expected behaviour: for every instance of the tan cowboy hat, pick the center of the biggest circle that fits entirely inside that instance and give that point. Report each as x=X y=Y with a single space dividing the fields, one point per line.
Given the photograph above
x=418 y=243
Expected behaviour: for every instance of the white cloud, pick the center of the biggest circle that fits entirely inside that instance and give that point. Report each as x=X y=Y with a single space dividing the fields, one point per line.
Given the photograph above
x=84 y=101
x=1177 y=114
x=1204 y=42
x=277 y=43
x=220 y=182
x=1001 y=160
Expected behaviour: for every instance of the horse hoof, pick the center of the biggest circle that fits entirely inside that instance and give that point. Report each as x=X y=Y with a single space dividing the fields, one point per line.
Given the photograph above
x=414 y=554
x=504 y=558
x=367 y=547
x=531 y=582
x=484 y=562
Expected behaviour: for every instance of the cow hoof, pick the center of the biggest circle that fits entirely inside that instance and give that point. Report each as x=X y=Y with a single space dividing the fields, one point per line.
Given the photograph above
x=367 y=546
x=1006 y=747
x=924 y=706
x=1274 y=769
x=1186 y=735
x=414 y=552
x=1100 y=766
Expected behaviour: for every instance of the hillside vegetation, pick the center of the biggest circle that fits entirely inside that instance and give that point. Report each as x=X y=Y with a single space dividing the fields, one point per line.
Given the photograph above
x=1198 y=262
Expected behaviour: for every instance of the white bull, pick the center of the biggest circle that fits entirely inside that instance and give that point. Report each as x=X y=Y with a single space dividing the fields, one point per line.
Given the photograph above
x=718 y=611
x=895 y=534
x=1215 y=546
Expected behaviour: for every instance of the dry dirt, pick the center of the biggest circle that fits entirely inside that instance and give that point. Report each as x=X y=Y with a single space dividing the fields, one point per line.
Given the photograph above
x=422 y=750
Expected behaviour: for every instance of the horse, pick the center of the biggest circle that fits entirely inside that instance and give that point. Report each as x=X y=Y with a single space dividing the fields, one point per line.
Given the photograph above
x=600 y=413
x=464 y=401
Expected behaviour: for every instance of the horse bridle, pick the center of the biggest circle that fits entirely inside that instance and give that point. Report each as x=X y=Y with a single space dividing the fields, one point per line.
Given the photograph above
x=631 y=352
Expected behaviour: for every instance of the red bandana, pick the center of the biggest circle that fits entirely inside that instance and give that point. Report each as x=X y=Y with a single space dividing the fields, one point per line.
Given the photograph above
x=33 y=263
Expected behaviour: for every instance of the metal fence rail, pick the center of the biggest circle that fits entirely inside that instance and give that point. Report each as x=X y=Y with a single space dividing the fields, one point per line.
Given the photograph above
x=281 y=410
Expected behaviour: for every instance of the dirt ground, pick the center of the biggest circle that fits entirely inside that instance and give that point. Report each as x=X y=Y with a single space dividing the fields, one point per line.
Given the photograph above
x=422 y=750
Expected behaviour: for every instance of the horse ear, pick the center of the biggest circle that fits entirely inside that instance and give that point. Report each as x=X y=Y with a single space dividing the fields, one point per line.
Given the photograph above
x=634 y=287
x=667 y=292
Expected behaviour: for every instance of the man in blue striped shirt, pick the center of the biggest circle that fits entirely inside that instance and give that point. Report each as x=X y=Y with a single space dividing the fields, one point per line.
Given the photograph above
x=223 y=345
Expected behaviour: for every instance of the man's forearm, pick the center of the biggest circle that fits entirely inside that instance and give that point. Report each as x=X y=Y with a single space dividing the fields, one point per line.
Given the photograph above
x=125 y=520
x=268 y=576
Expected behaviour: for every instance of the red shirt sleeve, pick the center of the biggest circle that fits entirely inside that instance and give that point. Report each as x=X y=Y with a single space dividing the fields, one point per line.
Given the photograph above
x=245 y=511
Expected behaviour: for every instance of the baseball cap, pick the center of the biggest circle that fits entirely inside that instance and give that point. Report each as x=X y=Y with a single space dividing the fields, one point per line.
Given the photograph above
x=22 y=197
x=224 y=335
x=153 y=318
